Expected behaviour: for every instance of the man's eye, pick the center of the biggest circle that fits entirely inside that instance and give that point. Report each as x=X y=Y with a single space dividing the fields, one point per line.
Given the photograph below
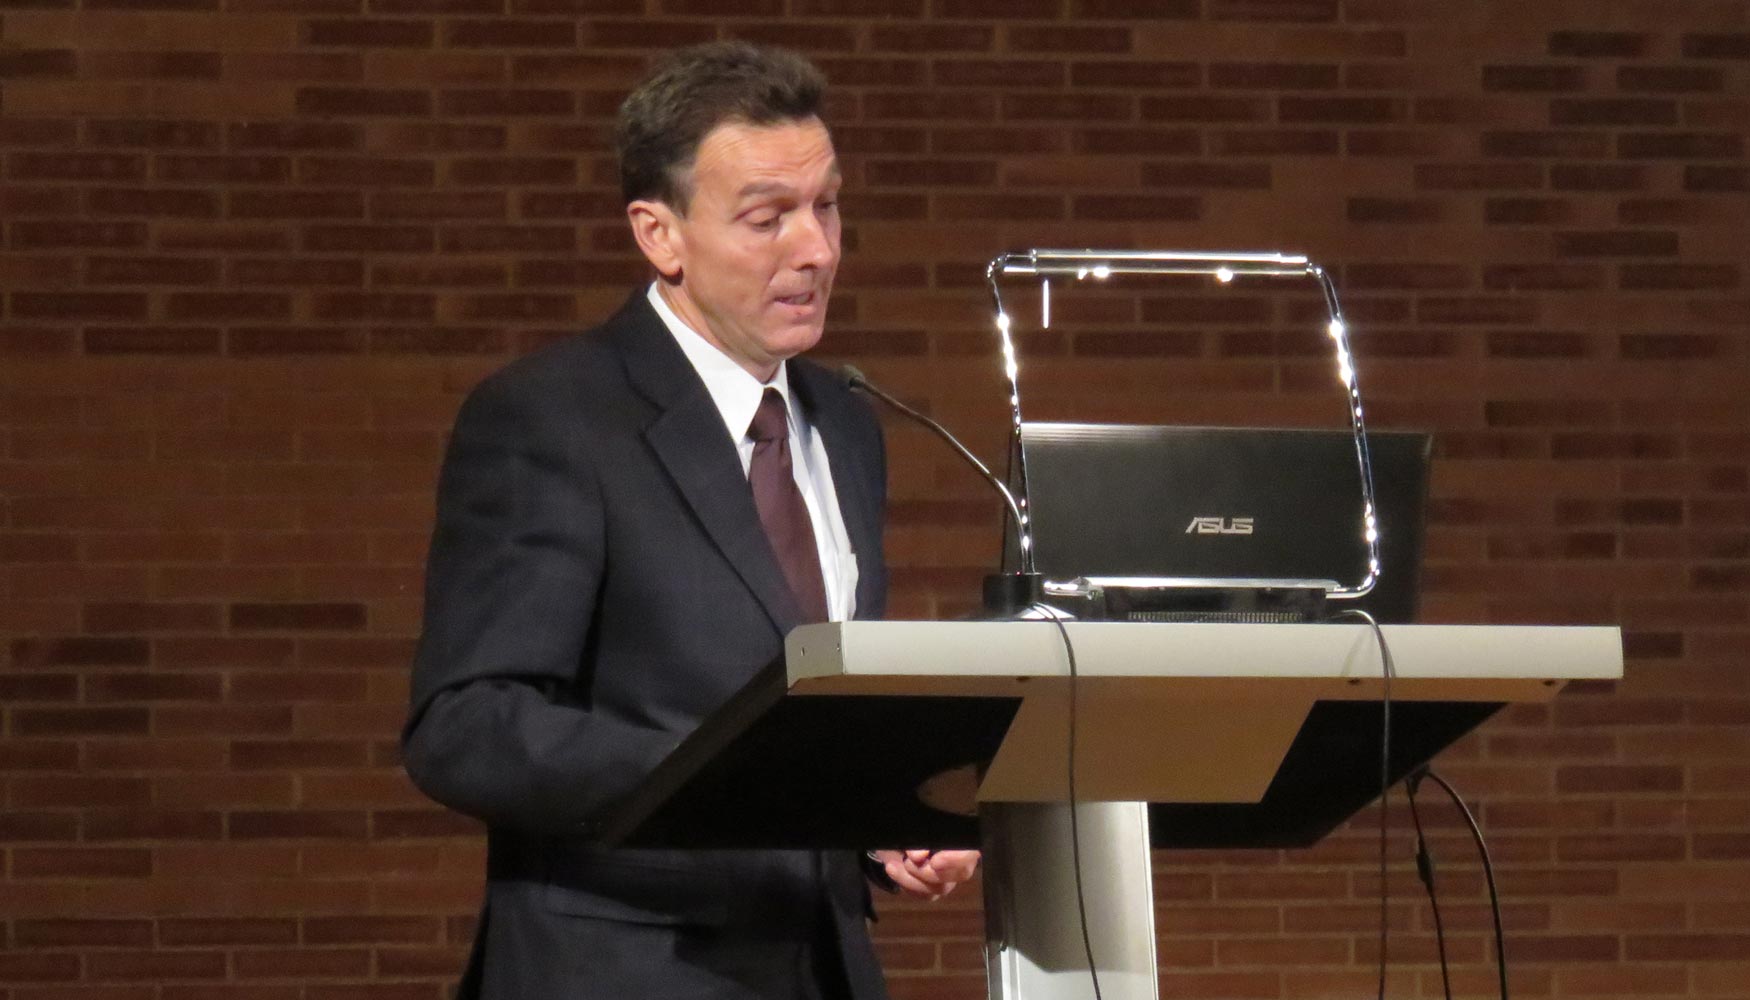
x=763 y=221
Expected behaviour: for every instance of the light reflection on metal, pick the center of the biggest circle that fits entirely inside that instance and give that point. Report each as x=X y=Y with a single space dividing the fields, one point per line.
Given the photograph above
x=1224 y=267
x=1012 y=371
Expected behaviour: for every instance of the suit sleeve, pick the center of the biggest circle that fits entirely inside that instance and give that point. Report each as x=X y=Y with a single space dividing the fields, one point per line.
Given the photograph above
x=500 y=726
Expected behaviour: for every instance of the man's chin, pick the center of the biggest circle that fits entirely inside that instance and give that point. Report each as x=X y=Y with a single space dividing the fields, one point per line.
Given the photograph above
x=793 y=340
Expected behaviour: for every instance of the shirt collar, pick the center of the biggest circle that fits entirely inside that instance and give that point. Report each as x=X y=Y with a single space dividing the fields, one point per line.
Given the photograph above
x=736 y=393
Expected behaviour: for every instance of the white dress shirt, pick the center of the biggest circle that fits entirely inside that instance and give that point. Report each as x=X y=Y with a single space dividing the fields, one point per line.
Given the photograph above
x=737 y=395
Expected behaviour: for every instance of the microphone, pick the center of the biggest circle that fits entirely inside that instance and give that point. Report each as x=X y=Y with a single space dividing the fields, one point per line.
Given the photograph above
x=857 y=380
x=1004 y=593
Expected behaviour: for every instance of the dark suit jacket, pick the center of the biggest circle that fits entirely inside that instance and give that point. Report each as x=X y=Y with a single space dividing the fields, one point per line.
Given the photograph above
x=598 y=583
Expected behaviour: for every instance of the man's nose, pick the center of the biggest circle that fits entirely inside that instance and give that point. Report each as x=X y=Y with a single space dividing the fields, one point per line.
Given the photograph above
x=812 y=245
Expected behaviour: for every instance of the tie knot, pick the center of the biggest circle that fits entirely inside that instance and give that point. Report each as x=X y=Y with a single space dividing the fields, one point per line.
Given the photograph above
x=771 y=422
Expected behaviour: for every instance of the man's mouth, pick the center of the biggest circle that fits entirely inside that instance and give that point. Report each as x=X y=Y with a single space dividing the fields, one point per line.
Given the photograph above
x=799 y=300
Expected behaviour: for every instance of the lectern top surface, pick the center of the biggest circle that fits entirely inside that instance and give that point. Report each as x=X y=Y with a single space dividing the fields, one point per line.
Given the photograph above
x=1204 y=650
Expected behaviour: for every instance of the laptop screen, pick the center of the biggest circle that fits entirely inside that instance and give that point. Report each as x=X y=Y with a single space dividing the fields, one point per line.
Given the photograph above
x=1221 y=503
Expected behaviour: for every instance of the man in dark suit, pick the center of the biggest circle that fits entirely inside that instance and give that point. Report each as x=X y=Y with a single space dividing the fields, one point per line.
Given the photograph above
x=629 y=522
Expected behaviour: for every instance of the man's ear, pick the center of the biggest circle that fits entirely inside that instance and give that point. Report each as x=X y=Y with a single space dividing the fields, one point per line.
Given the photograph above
x=656 y=227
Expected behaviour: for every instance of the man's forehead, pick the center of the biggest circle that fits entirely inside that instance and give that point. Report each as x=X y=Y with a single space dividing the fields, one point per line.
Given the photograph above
x=756 y=158
x=756 y=187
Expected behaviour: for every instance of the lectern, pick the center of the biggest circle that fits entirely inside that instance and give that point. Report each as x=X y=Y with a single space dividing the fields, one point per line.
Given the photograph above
x=956 y=734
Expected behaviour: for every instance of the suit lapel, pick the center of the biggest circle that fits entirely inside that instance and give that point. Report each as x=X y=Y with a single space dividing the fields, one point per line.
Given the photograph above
x=689 y=440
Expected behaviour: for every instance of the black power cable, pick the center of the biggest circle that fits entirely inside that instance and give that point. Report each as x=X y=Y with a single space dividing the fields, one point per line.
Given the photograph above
x=1476 y=833
x=1425 y=871
x=1387 y=672
x=1075 y=833
x=1424 y=860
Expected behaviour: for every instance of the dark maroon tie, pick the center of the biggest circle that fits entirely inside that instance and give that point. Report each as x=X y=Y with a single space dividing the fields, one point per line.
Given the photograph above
x=782 y=511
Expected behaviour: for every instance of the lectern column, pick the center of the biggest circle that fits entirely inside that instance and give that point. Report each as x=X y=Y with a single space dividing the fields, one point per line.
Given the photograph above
x=1033 y=933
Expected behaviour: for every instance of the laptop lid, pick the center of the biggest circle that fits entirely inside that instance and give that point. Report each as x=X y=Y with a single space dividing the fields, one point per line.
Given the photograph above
x=1240 y=506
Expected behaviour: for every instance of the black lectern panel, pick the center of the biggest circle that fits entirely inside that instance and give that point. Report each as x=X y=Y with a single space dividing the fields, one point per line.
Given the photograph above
x=844 y=771
x=813 y=771
x=1330 y=773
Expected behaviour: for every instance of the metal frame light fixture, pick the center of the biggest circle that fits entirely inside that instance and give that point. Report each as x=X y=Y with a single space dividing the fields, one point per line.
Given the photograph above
x=1082 y=265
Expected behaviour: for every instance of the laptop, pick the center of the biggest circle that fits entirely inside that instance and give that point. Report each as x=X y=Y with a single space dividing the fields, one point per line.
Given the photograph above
x=1224 y=524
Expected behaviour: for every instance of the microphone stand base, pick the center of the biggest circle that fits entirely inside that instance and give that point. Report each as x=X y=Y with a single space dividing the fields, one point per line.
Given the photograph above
x=1007 y=595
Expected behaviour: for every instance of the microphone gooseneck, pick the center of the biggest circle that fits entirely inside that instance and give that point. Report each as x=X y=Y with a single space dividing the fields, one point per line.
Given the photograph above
x=857 y=380
x=1004 y=593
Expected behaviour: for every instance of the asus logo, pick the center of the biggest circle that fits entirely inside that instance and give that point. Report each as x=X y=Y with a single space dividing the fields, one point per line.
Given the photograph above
x=1219 y=526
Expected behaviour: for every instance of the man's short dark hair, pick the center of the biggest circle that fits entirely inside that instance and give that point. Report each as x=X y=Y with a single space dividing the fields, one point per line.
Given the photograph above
x=693 y=91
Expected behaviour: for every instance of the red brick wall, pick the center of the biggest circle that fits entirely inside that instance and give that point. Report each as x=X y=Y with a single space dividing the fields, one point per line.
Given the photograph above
x=252 y=256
